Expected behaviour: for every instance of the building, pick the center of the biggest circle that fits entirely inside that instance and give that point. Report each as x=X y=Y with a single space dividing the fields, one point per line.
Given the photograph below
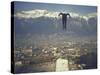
x=27 y=52
x=18 y=63
x=62 y=65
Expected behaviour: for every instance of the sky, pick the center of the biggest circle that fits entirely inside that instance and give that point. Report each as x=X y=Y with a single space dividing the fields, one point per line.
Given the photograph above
x=76 y=27
x=80 y=9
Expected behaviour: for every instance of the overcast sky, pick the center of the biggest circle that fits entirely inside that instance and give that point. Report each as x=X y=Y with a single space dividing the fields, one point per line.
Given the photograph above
x=82 y=10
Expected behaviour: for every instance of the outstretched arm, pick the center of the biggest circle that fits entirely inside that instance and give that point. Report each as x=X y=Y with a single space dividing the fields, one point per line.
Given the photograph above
x=68 y=15
x=60 y=14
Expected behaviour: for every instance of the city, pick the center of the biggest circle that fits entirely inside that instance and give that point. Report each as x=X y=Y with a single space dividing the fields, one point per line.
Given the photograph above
x=43 y=59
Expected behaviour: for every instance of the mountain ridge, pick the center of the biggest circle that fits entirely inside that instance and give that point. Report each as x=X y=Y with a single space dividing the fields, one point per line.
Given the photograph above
x=51 y=14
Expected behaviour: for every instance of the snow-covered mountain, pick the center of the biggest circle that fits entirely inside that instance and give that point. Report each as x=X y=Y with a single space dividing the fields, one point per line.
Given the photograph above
x=36 y=13
x=46 y=13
